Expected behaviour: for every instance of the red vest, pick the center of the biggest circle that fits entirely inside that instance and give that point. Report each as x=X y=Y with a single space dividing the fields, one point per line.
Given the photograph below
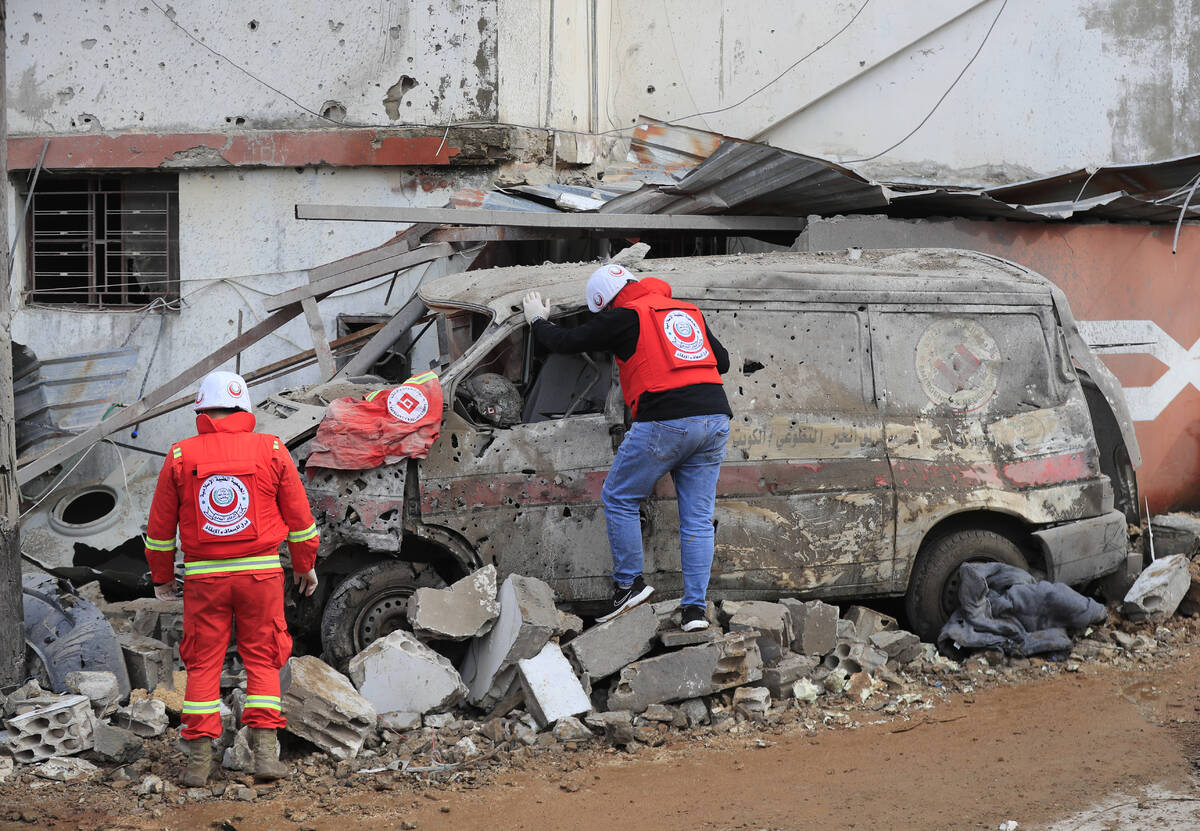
x=672 y=350
x=228 y=487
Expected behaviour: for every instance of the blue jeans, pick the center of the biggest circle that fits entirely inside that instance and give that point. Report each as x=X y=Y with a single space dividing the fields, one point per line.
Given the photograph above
x=691 y=450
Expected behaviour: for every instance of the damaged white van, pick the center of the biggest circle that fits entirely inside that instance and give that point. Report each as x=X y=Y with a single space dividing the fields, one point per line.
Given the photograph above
x=896 y=413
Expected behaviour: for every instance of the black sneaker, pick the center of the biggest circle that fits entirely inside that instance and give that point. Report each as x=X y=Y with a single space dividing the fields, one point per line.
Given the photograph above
x=694 y=618
x=625 y=599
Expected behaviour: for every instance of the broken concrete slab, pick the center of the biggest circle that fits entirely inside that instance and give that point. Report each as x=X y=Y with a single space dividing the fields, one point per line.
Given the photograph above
x=814 y=626
x=780 y=678
x=670 y=616
x=772 y=621
x=400 y=722
x=1159 y=589
x=730 y=661
x=551 y=689
x=65 y=770
x=465 y=610
x=527 y=620
x=146 y=717
x=676 y=638
x=59 y=729
x=399 y=673
x=898 y=645
x=1175 y=534
x=607 y=647
x=868 y=621
x=116 y=744
x=323 y=707
x=101 y=688
x=148 y=660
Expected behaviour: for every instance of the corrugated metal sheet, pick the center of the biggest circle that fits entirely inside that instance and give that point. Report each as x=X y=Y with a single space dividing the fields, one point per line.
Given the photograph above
x=682 y=170
x=62 y=396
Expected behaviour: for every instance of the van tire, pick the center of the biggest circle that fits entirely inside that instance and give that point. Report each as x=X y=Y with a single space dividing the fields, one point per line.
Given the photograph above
x=933 y=588
x=371 y=603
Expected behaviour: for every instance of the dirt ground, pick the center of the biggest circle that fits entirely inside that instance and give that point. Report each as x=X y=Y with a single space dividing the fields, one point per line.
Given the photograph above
x=1055 y=751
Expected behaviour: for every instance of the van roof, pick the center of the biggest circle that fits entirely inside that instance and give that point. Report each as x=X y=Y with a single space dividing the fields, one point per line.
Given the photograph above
x=905 y=271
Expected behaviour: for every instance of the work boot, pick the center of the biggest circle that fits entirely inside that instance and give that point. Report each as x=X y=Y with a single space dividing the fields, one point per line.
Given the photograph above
x=266 y=762
x=200 y=755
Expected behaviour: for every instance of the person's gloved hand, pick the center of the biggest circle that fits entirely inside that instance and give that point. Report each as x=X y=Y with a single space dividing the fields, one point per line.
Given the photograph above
x=535 y=307
x=166 y=591
x=306 y=582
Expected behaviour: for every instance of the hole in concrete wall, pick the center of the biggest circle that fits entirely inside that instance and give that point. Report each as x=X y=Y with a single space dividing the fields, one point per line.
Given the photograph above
x=395 y=94
x=253 y=24
x=334 y=111
x=236 y=120
x=87 y=507
x=750 y=367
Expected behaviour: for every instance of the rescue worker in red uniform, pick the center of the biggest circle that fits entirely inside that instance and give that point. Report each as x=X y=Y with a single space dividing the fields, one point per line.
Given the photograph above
x=670 y=367
x=235 y=495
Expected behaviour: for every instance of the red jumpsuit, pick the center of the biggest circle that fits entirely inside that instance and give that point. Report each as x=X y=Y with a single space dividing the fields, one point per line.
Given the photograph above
x=235 y=496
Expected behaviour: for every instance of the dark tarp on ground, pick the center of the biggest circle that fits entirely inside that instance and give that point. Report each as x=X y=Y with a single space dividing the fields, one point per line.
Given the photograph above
x=1003 y=607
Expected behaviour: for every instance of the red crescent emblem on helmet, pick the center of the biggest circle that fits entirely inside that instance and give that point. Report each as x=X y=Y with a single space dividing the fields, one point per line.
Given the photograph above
x=235 y=389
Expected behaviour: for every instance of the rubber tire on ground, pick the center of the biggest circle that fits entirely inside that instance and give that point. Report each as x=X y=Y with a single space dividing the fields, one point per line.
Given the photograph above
x=938 y=563
x=388 y=583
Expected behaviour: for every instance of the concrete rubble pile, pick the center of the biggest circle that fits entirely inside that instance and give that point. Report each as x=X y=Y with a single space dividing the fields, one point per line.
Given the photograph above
x=495 y=671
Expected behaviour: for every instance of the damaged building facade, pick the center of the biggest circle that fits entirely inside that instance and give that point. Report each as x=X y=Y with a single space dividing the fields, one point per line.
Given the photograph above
x=147 y=233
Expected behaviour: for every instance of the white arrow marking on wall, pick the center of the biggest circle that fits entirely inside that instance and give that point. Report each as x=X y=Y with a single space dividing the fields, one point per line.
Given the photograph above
x=1145 y=337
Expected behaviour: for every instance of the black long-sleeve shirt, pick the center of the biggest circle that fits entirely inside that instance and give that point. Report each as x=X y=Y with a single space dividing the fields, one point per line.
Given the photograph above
x=617 y=331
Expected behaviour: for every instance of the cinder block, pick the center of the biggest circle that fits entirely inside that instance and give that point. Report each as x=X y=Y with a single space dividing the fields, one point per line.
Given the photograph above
x=752 y=701
x=147 y=717
x=148 y=660
x=528 y=619
x=899 y=646
x=59 y=729
x=1159 y=589
x=772 y=621
x=607 y=647
x=399 y=673
x=814 y=626
x=465 y=610
x=551 y=689
x=850 y=657
x=868 y=621
x=323 y=707
x=790 y=669
x=730 y=661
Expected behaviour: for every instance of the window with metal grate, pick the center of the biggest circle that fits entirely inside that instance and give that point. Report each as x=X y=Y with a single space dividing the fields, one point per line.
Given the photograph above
x=103 y=240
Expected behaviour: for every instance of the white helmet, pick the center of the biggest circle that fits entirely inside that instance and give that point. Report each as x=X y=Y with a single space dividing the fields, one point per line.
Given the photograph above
x=604 y=284
x=221 y=388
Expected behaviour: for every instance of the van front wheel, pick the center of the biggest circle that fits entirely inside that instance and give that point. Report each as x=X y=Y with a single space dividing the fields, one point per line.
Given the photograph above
x=933 y=589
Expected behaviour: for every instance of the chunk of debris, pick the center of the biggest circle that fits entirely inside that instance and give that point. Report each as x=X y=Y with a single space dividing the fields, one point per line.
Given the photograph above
x=323 y=707
x=607 y=647
x=569 y=625
x=400 y=722
x=772 y=621
x=571 y=729
x=146 y=717
x=630 y=257
x=868 y=621
x=805 y=690
x=399 y=673
x=1175 y=534
x=898 y=645
x=694 y=710
x=676 y=638
x=147 y=659
x=618 y=727
x=730 y=661
x=860 y=686
x=527 y=620
x=551 y=689
x=65 y=770
x=780 y=678
x=752 y=702
x=101 y=688
x=59 y=729
x=116 y=744
x=465 y=610
x=814 y=626
x=239 y=756
x=1159 y=589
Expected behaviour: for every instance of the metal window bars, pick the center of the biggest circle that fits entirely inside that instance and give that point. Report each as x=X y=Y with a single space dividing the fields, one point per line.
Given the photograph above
x=103 y=242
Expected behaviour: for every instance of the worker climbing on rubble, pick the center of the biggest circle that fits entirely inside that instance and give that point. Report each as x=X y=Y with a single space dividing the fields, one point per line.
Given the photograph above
x=235 y=496
x=670 y=367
